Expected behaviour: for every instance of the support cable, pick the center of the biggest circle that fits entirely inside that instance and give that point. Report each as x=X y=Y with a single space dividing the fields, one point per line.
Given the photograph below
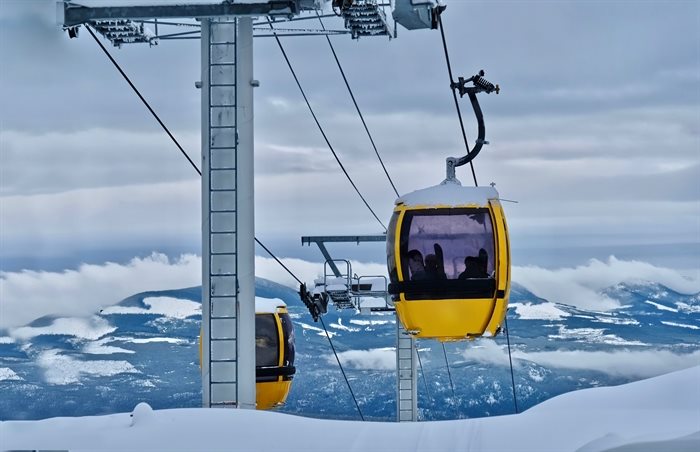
x=449 y=374
x=347 y=382
x=276 y=259
x=341 y=368
x=200 y=173
x=512 y=377
x=325 y=137
x=454 y=94
x=422 y=372
x=126 y=77
x=347 y=84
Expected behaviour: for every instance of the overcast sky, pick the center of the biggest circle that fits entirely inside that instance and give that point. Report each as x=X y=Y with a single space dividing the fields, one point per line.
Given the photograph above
x=596 y=132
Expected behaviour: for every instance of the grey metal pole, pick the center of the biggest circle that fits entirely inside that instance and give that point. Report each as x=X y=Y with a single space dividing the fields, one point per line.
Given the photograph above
x=206 y=237
x=228 y=274
x=406 y=376
x=246 y=215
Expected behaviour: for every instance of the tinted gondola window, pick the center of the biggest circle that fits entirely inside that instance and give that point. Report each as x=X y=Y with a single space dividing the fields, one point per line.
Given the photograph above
x=266 y=341
x=441 y=244
x=288 y=333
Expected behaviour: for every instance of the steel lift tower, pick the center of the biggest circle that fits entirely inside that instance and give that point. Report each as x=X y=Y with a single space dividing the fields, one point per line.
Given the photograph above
x=226 y=31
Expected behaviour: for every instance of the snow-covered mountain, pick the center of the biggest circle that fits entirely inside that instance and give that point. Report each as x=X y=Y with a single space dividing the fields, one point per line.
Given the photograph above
x=145 y=349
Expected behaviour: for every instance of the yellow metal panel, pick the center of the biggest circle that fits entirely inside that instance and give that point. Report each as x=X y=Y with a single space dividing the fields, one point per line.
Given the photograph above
x=502 y=254
x=503 y=266
x=498 y=315
x=397 y=242
x=271 y=394
x=397 y=245
x=280 y=336
x=446 y=320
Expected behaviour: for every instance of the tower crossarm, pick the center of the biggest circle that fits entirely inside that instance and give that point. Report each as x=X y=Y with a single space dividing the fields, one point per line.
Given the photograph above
x=72 y=14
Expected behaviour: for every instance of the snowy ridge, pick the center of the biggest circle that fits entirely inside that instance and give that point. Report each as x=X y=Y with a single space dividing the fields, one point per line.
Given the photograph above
x=165 y=306
x=8 y=374
x=113 y=361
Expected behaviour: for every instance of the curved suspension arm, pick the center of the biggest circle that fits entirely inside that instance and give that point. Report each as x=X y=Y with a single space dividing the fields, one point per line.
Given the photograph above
x=480 y=85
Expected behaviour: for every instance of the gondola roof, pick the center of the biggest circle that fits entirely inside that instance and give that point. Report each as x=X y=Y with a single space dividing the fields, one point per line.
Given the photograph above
x=449 y=194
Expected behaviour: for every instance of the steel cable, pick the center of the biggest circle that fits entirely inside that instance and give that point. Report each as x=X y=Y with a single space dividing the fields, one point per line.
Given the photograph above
x=454 y=94
x=320 y=128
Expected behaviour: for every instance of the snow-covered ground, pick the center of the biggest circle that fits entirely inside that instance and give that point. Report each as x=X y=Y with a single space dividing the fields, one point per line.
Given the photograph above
x=658 y=414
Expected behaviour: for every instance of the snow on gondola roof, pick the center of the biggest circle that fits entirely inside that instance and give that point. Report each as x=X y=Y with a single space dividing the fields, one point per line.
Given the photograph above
x=268 y=305
x=449 y=194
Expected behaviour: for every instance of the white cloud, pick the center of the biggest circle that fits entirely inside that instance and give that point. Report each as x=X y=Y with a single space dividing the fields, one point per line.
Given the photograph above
x=87 y=328
x=622 y=363
x=29 y=295
x=580 y=286
x=96 y=157
x=63 y=370
x=488 y=352
x=373 y=359
x=109 y=217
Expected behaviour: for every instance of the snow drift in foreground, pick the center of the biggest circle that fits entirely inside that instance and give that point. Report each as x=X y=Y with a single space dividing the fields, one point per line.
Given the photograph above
x=661 y=413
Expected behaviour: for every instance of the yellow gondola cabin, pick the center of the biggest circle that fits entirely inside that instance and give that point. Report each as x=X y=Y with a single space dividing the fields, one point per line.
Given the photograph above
x=449 y=262
x=274 y=353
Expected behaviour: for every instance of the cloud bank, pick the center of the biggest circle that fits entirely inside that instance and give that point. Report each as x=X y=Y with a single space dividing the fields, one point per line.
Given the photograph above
x=622 y=363
x=373 y=359
x=29 y=295
x=580 y=286
x=64 y=370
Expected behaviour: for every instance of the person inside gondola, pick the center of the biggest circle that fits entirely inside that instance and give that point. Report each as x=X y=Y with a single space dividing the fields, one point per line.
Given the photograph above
x=434 y=264
x=416 y=265
x=483 y=263
x=475 y=267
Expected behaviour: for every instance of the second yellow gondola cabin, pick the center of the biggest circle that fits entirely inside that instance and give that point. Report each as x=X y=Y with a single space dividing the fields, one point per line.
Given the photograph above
x=274 y=353
x=449 y=262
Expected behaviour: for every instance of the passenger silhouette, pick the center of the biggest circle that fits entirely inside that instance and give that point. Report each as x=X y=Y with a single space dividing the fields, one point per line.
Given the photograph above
x=416 y=266
x=484 y=262
x=434 y=264
x=475 y=267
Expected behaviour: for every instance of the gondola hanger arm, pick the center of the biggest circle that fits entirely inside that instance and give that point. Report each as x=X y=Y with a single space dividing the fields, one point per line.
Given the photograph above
x=479 y=85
